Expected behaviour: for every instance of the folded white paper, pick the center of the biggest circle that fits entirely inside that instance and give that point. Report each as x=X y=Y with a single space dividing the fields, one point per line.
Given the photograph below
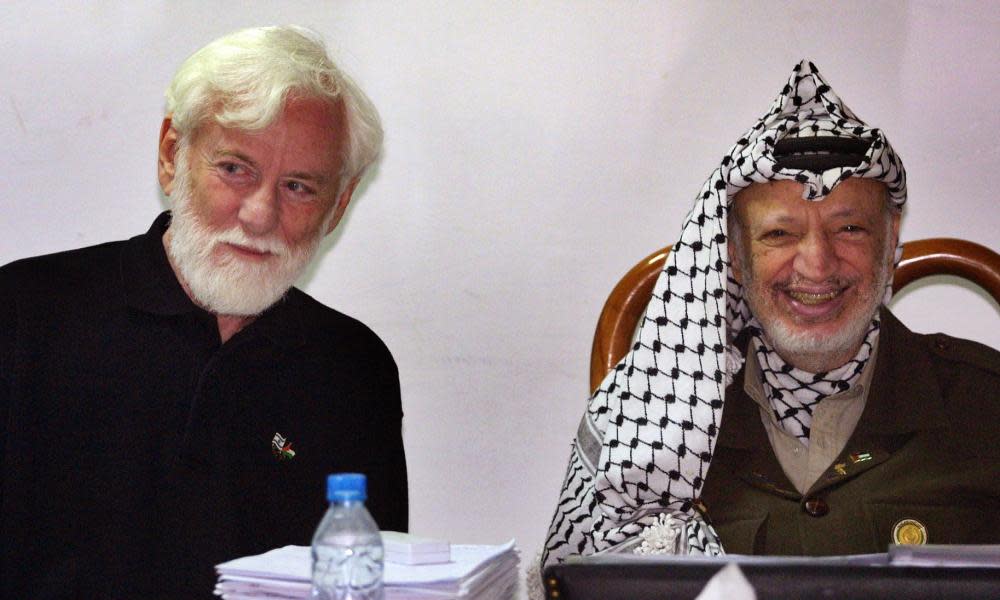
x=407 y=549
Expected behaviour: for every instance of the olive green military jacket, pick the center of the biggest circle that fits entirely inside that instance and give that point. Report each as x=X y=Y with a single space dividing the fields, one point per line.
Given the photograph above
x=924 y=460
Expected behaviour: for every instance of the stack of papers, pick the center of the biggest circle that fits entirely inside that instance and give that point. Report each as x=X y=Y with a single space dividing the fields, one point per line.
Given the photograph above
x=483 y=572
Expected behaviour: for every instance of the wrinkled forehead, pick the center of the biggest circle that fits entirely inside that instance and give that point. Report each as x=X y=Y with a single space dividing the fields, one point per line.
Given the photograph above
x=783 y=199
x=301 y=118
x=243 y=111
x=855 y=191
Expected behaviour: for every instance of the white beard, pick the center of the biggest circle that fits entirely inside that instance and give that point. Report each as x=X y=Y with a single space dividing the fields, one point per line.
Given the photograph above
x=220 y=281
x=791 y=343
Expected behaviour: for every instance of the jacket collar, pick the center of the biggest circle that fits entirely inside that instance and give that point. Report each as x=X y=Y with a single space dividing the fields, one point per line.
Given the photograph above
x=904 y=397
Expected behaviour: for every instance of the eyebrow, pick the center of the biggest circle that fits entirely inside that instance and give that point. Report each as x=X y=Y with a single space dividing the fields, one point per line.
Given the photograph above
x=313 y=177
x=772 y=220
x=847 y=212
x=222 y=153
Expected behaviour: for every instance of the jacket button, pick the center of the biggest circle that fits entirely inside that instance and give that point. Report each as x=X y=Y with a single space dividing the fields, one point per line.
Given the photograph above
x=816 y=507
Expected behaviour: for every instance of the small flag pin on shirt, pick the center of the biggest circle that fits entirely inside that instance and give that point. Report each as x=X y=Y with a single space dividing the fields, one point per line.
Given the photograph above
x=282 y=448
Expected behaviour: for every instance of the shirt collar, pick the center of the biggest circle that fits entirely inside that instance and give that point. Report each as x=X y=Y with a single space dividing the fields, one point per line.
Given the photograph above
x=147 y=277
x=150 y=286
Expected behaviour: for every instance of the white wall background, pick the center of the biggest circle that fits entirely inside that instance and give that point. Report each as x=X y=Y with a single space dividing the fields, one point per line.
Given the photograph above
x=534 y=152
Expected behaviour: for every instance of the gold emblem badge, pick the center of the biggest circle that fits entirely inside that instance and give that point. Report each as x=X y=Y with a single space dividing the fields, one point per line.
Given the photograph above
x=909 y=531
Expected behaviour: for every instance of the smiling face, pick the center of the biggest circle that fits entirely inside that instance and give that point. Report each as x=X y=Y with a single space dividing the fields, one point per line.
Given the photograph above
x=814 y=273
x=250 y=207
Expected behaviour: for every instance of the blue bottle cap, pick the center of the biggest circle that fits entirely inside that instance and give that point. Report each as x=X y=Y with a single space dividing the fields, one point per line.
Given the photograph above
x=342 y=487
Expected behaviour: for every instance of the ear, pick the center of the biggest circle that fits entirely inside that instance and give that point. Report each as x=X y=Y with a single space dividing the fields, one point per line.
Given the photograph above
x=735 y=266
x=896 y=218
x=733 y=242
x=165 y=165
x=342 y=201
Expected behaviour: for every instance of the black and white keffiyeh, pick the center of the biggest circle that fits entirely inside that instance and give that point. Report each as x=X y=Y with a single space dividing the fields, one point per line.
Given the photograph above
x=644 y=445
x=793 y=393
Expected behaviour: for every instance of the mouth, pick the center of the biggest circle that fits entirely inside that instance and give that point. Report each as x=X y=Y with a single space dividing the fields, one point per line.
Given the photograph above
x=813 y=299
x=814 y=306
x=248 y=252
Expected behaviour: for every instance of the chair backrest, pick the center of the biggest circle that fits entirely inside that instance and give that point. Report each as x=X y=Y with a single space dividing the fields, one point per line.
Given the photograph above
x=921 y=258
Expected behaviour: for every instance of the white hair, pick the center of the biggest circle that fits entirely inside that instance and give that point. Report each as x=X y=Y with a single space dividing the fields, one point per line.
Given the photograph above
x=244 y=79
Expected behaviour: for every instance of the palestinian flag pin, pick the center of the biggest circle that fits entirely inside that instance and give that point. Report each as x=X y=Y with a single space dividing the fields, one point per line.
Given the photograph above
x=281 y=448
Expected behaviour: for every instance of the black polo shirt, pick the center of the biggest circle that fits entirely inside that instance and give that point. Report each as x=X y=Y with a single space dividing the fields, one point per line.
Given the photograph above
x=136 y=447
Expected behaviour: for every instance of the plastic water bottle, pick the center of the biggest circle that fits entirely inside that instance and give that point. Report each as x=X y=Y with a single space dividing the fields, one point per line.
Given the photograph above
x=347 y=547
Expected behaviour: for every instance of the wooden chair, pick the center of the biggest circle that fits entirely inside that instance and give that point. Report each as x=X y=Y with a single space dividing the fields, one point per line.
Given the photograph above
x=921 y=258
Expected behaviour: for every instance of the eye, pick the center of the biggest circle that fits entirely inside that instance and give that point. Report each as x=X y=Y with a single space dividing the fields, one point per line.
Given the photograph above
x=777 y=237
x=299 y=188
x=232 y=169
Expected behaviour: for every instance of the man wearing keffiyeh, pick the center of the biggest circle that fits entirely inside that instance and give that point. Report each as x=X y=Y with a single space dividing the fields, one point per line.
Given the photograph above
x=771 y=404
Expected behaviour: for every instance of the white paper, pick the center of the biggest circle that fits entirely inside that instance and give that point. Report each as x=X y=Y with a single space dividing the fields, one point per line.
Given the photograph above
x=395 y=541
x=485 y=572
x=728 y=584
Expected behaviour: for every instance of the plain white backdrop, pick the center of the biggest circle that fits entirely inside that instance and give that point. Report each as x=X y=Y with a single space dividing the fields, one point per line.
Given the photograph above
x=534 y=151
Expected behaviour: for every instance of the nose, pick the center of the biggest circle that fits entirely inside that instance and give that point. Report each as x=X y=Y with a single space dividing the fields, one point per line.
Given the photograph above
x=816 y=258
x=258 y=213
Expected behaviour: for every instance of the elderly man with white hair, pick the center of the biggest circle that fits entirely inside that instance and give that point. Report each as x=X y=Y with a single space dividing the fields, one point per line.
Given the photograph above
x=171 y=401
